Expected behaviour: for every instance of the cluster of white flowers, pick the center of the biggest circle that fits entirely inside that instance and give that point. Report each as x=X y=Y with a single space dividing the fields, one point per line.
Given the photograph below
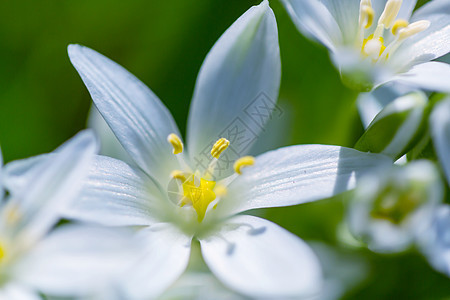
x=140 y=223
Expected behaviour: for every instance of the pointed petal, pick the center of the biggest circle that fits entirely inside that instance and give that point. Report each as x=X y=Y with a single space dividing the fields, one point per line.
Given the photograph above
x=239 y=78
x=116 y=194
x=313 y=19
x=54 y=184
x=78 y=260
x=109 y=144
x=440 y=131
x=137 y=117
x=424 y=46
x=433 y=76
x=166 y=256
x=297 y=174
x=260 y=259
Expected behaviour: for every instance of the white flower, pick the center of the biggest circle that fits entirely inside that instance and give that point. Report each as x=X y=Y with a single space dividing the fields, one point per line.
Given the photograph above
x=374 y=42
x=435 y=243
x=440 y=133
x=176 y=197
x=38 y=189
x=392 y=208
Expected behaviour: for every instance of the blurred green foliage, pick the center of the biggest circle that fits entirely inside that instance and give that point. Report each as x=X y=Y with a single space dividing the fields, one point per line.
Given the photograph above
x=43 y=102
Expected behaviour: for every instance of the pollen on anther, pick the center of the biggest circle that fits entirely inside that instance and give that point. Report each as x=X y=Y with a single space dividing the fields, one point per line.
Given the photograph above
x=243 y=162
x=219 y=146
x=176 y=143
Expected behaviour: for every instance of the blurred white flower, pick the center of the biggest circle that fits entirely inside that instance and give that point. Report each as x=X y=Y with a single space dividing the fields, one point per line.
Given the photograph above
x=435 y=242
x=38 y=190
x=176 y=197
x=391 y=208
x=374 y=42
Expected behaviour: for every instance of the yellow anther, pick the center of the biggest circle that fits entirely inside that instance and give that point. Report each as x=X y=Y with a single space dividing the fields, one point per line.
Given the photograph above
x=366 y=16
x=2 y=252
x=12 y=214
x=177 y=174
x=219 y=147
x=243 y=162
x=413 y=28
x=390 y=13
x=399 y=24
x=176 y=143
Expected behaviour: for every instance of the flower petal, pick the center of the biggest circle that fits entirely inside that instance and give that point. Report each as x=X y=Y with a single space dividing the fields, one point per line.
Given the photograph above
x=434 y=243
x=440 y=131
x=14 y=291
x=166 y=256
x=260 y=259
x=78 y=260
x=434 y=76
x=239 y=78
x=435 y=7
x=54 y=184
x=135 y=114
x=313 y=19
x=346 y=14
x=297 y=174
x=116 y=194
x=424 y=46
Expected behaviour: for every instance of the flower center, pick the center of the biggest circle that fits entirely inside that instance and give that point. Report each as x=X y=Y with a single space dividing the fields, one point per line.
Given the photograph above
x=196 y=189
x=395 y=204
x=373 y=46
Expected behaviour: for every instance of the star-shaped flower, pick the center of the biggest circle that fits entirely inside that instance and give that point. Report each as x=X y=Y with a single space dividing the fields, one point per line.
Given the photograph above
x=38 y=190
x=175 y=197
x=374 y=42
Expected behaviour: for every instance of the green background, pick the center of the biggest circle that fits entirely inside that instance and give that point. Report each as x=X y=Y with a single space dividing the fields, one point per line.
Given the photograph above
x=43 y=102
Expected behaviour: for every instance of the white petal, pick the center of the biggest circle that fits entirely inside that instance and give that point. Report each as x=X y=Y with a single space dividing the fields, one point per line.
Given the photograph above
x=433 y=76
x=260 y=259
x=346 y=14
x=406 y=9
x=109 y=144
x=440 y=131
x=236 y=89
x=54 y=184
x=166 y=256
x=14 y=291
x=435 y=242
x=19 y=173
x=116 y=194
x=135 y=114
x=435 y=7
x=424 y=46
x=297 y=174
x=370 y=104
x=314 y=20
x=78 y=260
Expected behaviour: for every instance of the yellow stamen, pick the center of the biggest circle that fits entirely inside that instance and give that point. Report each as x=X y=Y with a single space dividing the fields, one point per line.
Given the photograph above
x=243 y=162
x=366 y=16
x=176 y=143
x=390 y=12
x=413 y=29
x=2 y=252
x=200 y=196
x=220 y=190
x=219 y=147
x=399 y=24
x=177 y=174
